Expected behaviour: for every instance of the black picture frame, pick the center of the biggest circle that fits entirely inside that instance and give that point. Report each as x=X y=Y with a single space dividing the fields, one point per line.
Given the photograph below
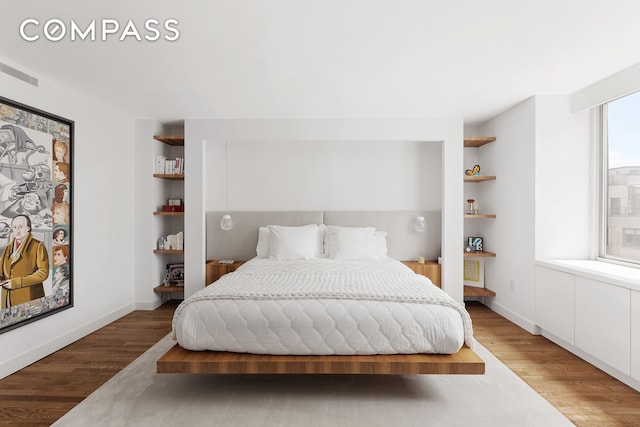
x=36 y=195
x=175 y=273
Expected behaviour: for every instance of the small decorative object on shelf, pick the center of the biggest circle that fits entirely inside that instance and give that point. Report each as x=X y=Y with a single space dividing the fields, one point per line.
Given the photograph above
x=420 y=260
x=472 y=209
x=474 y=272
x=475 y=243
x=473 y=172
x=175 y=273
x=172 y=242
x=172 y=208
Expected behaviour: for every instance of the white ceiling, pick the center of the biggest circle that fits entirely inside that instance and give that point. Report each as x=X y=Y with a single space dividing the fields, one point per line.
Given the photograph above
x=332 y=58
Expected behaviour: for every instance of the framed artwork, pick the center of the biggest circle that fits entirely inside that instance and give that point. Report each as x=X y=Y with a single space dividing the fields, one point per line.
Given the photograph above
x=474 y=272
x=175 y=273
x=36 y=201
x=475 y=243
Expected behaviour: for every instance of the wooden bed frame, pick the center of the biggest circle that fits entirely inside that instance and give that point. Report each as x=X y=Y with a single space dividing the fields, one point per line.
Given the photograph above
x=179 y=360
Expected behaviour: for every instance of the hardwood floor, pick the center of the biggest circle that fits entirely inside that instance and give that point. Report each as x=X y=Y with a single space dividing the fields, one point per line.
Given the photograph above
x=586 y=395
x=43 y=392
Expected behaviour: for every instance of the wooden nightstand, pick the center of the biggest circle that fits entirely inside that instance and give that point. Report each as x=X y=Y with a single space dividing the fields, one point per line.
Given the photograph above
x=215 y=270
x=430 y=269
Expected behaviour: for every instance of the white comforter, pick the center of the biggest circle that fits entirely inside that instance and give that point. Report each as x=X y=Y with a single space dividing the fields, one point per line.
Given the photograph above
x=322 y=307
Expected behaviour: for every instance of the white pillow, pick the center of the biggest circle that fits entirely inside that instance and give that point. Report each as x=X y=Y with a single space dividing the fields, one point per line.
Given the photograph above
x=287 y=243
x=262 y=249
x=380 y=244
x=354 y=243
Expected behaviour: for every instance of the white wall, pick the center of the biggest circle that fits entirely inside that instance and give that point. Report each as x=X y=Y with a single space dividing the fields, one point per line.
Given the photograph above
x=542 y=197
x=209 y=136
x=564 y=199
x=103 y=198
x=511 y=198
x=325 y=175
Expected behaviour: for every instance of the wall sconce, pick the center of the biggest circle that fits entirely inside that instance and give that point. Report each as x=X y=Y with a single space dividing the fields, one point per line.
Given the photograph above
x=419 y=224
x=226 y=223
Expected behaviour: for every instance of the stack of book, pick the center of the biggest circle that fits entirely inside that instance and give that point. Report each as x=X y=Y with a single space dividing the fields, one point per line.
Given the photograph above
x=166 y=166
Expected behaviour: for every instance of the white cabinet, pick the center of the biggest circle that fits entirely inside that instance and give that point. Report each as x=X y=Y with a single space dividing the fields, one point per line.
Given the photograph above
x=603 y=322
x=635 y=335
x=554 y=302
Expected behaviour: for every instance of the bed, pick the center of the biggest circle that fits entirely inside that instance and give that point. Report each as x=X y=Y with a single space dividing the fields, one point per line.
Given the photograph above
x=323 y=299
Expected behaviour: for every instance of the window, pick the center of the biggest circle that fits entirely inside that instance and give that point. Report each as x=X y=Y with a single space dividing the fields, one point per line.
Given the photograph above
x=621 y=182
x=631 y=237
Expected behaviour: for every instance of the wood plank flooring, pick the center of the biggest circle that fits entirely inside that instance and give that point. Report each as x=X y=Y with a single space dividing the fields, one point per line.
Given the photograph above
x=586 y=395
x=43 y=392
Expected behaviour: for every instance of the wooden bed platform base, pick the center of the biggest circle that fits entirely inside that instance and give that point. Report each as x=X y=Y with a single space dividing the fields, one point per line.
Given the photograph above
x=179 y=360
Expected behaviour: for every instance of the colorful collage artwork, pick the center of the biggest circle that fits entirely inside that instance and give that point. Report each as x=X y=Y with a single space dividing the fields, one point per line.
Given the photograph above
x=35 y=214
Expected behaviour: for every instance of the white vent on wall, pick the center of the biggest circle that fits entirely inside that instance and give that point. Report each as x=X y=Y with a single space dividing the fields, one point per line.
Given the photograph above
x=13 y=72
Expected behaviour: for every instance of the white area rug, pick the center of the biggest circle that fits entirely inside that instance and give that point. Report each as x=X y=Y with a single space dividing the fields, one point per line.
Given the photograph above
x=138 y=396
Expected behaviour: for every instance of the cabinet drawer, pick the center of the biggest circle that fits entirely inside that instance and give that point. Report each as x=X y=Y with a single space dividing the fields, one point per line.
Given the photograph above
x=554 y=303
x=635 y=335
x=603 y=322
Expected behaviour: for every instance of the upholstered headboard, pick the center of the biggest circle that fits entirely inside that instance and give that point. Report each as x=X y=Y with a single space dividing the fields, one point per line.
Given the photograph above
x=403 y=242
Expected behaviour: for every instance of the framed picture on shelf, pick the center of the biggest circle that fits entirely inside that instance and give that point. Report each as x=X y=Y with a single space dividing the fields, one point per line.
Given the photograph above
x=475 y=243
x=36 y=212
x=474 y=272
x=176 y=273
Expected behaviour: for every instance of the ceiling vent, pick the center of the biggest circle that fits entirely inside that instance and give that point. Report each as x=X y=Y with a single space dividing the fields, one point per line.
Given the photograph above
x=13 y=72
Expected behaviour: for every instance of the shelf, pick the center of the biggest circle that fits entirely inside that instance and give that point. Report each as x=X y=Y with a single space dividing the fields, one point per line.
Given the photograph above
x=475 y=142
x=471 y=291
x=479 y=178
x=169 y=213
x=168 y=289
x=176 y=176
x=176 y=140
x=478 y=141
x=483 y=254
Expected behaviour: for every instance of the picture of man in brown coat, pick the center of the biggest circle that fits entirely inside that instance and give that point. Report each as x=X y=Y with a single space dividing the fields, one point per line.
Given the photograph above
x=25 y=265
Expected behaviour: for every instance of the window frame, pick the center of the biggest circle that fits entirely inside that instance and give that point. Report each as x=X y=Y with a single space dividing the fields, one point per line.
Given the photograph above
x=602 y=163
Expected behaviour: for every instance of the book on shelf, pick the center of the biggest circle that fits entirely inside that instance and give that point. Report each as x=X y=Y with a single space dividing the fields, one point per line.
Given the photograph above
x=160 y=164
x=169 y=166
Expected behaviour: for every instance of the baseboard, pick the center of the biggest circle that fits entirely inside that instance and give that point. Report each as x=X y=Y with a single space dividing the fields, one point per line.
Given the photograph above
x=149 y=305
x=37 y=353
x=621 y=376
x=525 y=324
